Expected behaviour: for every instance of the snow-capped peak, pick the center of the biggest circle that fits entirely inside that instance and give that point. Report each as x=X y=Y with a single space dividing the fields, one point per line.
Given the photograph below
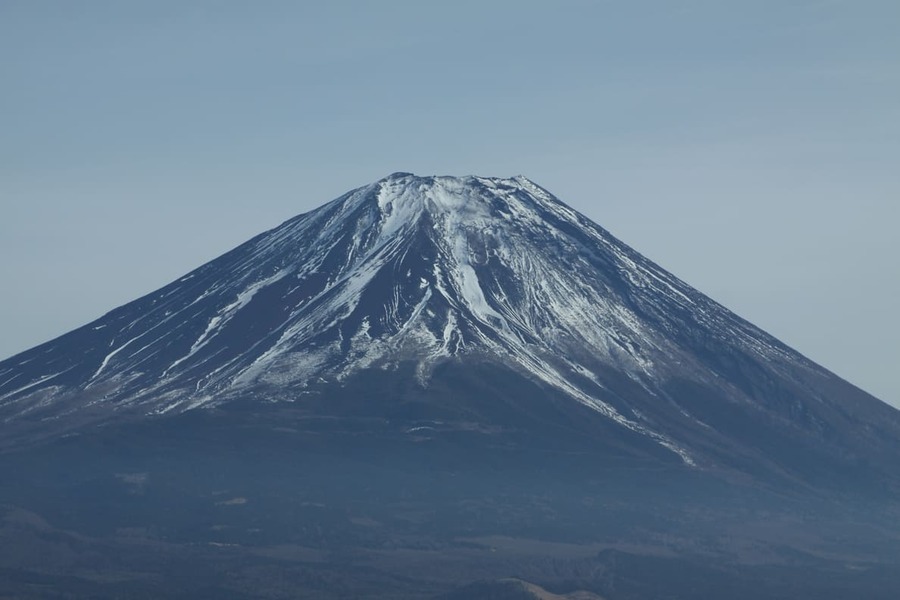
x=406 y=271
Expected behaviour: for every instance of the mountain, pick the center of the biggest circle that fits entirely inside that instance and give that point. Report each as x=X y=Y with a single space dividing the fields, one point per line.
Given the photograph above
x=424 y=273
x=422 y=328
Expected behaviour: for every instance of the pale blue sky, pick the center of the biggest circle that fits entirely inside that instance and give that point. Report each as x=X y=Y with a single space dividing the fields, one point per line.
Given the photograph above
x=752 y=148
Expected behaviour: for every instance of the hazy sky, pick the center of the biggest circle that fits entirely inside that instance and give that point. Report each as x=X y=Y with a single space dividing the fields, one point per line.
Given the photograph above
x=750 y=147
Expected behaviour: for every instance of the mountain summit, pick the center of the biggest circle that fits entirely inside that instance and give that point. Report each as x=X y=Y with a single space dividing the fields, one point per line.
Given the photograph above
x=414 y=274
x=427 y=382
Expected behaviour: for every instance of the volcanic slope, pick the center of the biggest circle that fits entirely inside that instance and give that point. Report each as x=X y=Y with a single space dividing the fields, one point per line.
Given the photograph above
x=472 y=303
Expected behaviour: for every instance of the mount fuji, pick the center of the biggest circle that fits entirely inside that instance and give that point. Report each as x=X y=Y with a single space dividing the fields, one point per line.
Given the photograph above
x=422 y=327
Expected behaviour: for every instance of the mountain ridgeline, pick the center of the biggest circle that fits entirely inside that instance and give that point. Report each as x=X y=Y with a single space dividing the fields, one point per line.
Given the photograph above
x=443 y=364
